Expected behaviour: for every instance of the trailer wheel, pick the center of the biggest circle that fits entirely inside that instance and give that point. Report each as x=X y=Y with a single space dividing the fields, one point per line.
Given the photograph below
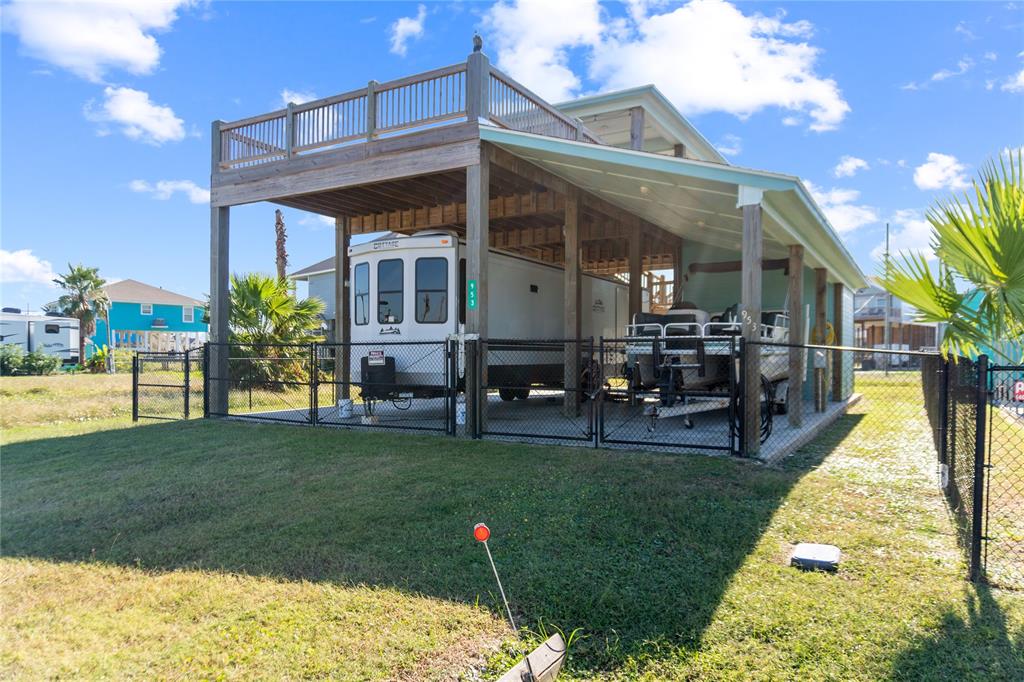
x=507 y=394
x=522 y=393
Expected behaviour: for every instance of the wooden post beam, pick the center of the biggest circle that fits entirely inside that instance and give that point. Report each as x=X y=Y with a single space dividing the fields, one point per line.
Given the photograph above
x=342 y=309
x=797 y=361
x=477 y=247
x=820 y=292
x=220 y=301
x=573 y=298
x=636 y=128
x=636 y=300
x=838 y=366
x=750 y=302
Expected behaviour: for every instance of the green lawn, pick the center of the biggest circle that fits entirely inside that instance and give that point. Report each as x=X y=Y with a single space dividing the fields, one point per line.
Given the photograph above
x=217 y=549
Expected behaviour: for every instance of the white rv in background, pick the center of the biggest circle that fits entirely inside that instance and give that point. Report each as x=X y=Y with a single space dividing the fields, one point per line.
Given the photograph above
x=413 y=289
x=48 y=334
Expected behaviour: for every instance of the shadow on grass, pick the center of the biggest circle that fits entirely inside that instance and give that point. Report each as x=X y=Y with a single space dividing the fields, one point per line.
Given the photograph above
x=978 y=648
x=636 y=549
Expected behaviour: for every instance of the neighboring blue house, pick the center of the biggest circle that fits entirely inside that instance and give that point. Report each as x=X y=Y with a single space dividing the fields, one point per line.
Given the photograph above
x=144 y=317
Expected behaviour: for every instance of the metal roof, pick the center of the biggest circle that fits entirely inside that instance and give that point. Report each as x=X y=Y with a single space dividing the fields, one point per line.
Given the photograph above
x=693 y=199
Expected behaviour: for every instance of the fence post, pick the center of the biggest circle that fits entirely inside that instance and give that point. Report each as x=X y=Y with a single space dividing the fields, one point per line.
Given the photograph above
x=735 y=436
x=599 y=425
x=977 y=501
x=472 y=388
x=944 y=413
x=741 y=399
x=188 y=364
x=206 y=381
x=451 y=386
x=314 y=384
x=135 y=387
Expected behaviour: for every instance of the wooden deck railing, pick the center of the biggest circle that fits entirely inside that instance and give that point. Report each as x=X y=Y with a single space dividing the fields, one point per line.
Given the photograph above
x=466 y=91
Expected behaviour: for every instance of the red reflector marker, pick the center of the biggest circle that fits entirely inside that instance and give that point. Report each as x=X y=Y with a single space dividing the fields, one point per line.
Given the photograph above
x=481 y=532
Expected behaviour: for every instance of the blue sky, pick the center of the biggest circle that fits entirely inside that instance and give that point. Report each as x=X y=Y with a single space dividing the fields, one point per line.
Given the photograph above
x=106 y=109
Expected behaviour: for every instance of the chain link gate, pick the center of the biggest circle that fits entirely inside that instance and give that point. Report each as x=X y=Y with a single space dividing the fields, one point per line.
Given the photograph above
x=168 y=386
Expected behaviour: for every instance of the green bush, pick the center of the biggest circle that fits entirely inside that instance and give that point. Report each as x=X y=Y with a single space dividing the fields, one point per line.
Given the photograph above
x=11 y=358
x=38 y=362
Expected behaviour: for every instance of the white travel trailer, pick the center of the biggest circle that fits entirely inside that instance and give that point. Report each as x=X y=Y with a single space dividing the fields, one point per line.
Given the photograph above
x=409 y=289
x=48 y=334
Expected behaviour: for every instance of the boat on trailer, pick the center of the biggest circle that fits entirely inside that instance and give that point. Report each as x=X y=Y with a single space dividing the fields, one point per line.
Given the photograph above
x=686 y=361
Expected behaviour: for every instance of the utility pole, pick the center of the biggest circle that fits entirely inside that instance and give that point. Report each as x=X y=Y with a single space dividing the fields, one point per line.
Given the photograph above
x=888 y=304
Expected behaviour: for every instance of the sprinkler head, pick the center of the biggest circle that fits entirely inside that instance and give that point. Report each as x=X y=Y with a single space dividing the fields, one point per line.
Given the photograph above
x=481 y=532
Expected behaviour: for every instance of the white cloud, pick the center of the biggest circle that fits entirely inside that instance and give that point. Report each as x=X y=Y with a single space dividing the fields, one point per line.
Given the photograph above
x=296 y=96
x=1014 y=83
x=991 y=56
x=23 y=266
x=406 y=29
x=962 y=67
x=941 y=171
x=912 y=234
x=731 y=145
x=963 y=30
x=791 y=121
x=848 y=166
x=840 y=209
x=709 y=56
x=138 y=117
x=89 y=38
x=165 y=189
x=533 y=39
x=316 y=221
x=705 y=56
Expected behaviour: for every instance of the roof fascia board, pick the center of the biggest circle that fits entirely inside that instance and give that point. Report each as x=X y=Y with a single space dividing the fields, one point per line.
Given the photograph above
x=656 y=104
x=705 y=170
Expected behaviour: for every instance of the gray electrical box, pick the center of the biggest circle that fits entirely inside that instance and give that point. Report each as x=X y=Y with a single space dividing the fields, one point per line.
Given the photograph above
x=814 y=557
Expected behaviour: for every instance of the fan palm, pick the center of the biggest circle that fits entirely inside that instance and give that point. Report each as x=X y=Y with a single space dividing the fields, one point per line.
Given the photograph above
x=265 y=318
x=977 y=291
x=84 y=299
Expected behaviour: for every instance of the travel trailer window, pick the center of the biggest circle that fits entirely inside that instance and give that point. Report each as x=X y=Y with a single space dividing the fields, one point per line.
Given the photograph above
x=52 y=329
x=362 y=307
x=431 y=290
x=390 y=274
x=147 y=308
x=188 y=314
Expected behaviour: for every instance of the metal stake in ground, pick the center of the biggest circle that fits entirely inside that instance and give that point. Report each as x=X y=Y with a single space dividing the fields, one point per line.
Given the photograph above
x=482 y=534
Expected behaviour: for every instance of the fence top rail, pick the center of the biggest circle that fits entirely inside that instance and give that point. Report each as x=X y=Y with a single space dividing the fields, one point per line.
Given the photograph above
x=1006 y=368
x=529 y=341
x=855 y=349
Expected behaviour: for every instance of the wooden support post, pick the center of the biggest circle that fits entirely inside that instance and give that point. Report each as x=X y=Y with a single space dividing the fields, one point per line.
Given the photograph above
x=342 y=309
x=371 y=110
x=573 y=297
x=478 y=76
x=636 y=128
x=677 y=274
x=820 y=291
x=797 y=356
x=636 y=296
x=679 y=151
x=477 y=244
x=750 y=302
x=289 y=129
x=220 y=301
x=838 y=371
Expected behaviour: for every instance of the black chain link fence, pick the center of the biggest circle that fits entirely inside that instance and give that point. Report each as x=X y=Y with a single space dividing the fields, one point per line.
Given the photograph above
x=400 y=385
x=1003 y=558
x=669 y=393
x=537 y=390
x=167 y=385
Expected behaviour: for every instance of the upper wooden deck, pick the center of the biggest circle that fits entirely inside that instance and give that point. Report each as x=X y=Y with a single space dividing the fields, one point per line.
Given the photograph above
x=457 y=93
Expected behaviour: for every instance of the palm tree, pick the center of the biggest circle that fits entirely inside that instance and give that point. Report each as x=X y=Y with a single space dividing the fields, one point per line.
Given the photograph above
x=978 y=288
x=84 y=299
x=265 y=316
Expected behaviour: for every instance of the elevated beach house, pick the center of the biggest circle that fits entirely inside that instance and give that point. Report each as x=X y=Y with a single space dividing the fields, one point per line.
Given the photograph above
x=145 y=317
x=614 y=185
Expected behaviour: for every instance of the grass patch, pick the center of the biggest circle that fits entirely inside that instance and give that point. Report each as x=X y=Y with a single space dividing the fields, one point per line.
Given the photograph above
x=206 y=549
